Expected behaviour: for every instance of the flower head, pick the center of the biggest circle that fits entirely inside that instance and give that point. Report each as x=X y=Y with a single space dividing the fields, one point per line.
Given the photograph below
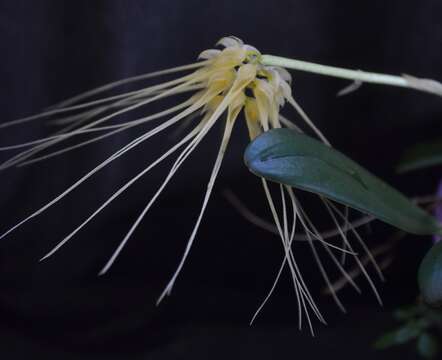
x=236 y=73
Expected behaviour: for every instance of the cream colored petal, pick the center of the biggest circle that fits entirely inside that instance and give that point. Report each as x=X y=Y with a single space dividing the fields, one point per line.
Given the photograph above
x=274 y=115
x=275 y=79
x=238 y=102
x=251 y=110
x=263 y=88
x=252 y=118
x=230 y=57
x=250 y=48
x=197 y=96
x=213 y=104
x=279 y=99
x=286 y=90
x=209 y=54
x=263 y=104
x=236 y=106
x=246 y=74
x=285 y=75
x=238 y=40
x=221 y=80
x=253 y=128
x=230 y=41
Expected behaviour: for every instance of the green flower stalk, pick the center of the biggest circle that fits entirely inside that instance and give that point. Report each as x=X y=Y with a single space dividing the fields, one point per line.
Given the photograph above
x=405 y=81
x=225 y=84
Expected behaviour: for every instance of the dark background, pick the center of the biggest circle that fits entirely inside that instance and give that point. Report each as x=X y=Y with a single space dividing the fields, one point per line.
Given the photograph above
x=50 y=50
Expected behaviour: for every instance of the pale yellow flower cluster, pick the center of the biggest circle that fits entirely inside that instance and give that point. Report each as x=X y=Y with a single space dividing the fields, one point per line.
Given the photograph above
x=236 y=75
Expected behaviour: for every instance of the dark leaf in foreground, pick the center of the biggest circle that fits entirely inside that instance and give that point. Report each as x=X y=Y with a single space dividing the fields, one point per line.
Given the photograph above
x=295 y=159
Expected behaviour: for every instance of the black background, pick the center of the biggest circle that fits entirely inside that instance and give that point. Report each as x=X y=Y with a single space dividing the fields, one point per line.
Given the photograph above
x=60 y=309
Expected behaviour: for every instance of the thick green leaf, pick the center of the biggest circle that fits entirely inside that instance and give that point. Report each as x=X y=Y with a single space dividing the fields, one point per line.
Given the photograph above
x=421 y=156
x=295 y=159
x=430 y=276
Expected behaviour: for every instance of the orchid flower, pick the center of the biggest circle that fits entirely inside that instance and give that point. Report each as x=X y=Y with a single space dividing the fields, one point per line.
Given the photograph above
x=226 y=83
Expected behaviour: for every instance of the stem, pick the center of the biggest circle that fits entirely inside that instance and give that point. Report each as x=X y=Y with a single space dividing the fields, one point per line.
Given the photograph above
x=406 y=81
